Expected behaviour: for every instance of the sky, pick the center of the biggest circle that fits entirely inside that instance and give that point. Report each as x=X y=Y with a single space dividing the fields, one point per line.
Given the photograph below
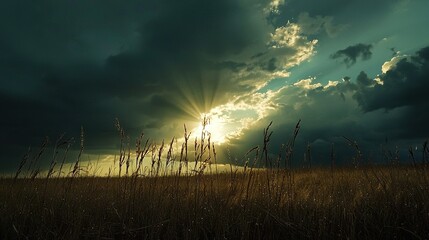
x=355 y=69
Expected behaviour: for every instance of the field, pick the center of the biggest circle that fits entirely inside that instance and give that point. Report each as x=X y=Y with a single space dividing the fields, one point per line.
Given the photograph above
x=363 y=203
x=172 y=197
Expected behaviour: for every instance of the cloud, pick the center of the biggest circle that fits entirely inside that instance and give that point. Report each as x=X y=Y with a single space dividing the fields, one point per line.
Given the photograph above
x=391 y=63
x=273 y=6
x=403 y=84
x=360 y=108
x=314 y=25
x=307 y=84
x=364 y=81
x=160 y=65
x=350 y=54
x=291 y=46
x=164 y=63
x=344 y=14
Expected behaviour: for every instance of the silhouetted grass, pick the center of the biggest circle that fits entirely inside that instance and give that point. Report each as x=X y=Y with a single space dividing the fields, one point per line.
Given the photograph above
x=361 y=202
x=348 y=203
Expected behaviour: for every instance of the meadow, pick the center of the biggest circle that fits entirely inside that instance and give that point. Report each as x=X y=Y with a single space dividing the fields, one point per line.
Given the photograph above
x=275 y=202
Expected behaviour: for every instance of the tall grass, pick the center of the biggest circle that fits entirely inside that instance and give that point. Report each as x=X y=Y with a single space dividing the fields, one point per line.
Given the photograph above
x=178 y=198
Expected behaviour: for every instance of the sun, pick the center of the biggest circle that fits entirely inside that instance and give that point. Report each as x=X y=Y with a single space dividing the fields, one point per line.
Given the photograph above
x=213 y=125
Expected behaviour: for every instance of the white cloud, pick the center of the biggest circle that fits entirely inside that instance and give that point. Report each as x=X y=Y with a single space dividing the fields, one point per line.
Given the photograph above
x=286 y=36
x=391 y=63
x=291 y=46
x=378 y=80
x=307 y=84
x=282 y=73
x=331 y=84
x=273 y=6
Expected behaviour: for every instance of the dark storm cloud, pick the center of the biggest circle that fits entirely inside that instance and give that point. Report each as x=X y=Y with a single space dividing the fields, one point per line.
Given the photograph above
x=404 y=91
x=403 y=85
x=67 y=64
x=350 y=54
x=363 y=80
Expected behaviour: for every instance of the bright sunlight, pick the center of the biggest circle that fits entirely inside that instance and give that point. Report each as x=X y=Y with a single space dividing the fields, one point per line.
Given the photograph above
x=213 y=125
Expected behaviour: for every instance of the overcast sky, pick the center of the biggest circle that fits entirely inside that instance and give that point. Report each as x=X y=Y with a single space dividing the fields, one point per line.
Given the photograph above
x=358 y=69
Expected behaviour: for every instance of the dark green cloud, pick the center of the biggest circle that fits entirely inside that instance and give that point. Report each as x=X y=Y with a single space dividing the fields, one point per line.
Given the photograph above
x=405 y=84
x=351 y=54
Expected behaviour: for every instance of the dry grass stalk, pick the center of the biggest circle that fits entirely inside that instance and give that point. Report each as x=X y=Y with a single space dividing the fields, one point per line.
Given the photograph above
x=22 y=163
x=77 y=168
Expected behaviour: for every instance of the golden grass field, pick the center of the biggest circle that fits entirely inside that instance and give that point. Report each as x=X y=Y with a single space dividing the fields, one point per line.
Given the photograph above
x=278 y=202
x=366 y=203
